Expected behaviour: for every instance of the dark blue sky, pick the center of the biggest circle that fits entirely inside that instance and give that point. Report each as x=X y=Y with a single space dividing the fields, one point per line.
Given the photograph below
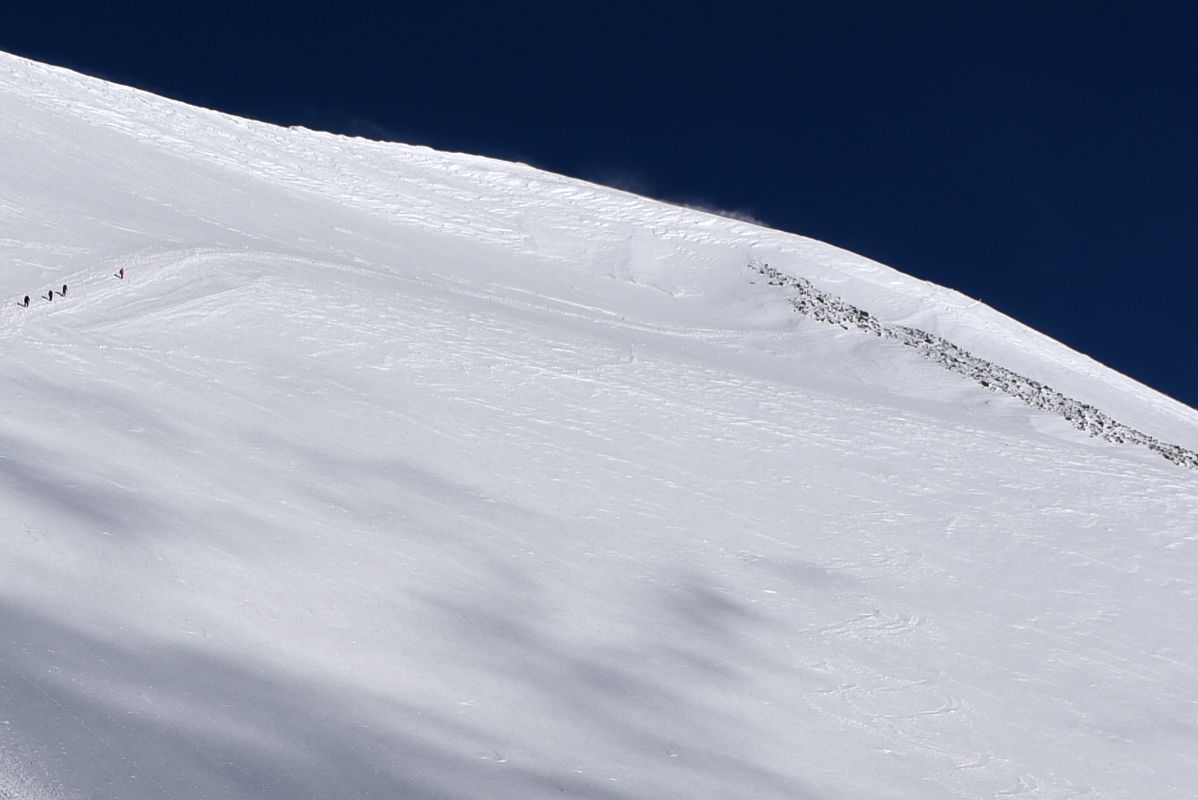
x=1042 y=157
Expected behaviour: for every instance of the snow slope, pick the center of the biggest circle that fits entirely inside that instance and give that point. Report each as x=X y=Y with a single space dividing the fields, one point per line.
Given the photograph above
x=395 y=473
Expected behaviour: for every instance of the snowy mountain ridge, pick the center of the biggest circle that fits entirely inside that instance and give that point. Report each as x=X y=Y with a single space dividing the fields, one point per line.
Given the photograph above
x=500 y=196
x=385 y=472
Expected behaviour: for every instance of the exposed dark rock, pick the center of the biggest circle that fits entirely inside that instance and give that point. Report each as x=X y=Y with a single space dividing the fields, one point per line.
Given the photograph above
x=828 y=308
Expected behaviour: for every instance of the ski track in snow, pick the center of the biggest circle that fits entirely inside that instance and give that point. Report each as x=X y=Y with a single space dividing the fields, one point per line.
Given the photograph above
x=391 y=473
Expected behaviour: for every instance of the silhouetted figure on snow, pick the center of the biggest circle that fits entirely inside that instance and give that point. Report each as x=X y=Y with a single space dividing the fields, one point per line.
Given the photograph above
x=50 y=295
x=63 y=293
x=26 y=303
x=121 y=273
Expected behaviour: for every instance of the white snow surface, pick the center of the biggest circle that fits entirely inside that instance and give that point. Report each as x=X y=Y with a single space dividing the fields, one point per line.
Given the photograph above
x=391 y=473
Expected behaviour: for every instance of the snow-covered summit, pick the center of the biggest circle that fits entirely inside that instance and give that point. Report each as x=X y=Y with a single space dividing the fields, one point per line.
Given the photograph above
x=386 y=472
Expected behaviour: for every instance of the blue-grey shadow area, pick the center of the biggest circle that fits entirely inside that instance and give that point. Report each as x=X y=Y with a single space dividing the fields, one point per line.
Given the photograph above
x=341 y=480
x=100 y=720
x=43 y=483
x=128 y=716
x=653 y=695
x=98 y=490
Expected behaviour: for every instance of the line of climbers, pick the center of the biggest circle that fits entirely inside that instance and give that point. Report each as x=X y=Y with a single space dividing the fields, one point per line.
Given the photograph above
x=50 y=294
x=47 y=296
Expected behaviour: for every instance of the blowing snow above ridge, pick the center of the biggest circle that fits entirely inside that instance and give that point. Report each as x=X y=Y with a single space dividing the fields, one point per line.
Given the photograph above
x=387 y=472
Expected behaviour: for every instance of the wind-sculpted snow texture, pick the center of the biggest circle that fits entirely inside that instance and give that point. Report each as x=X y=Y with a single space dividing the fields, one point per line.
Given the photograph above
x=388 y=473
x=1083 y=416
